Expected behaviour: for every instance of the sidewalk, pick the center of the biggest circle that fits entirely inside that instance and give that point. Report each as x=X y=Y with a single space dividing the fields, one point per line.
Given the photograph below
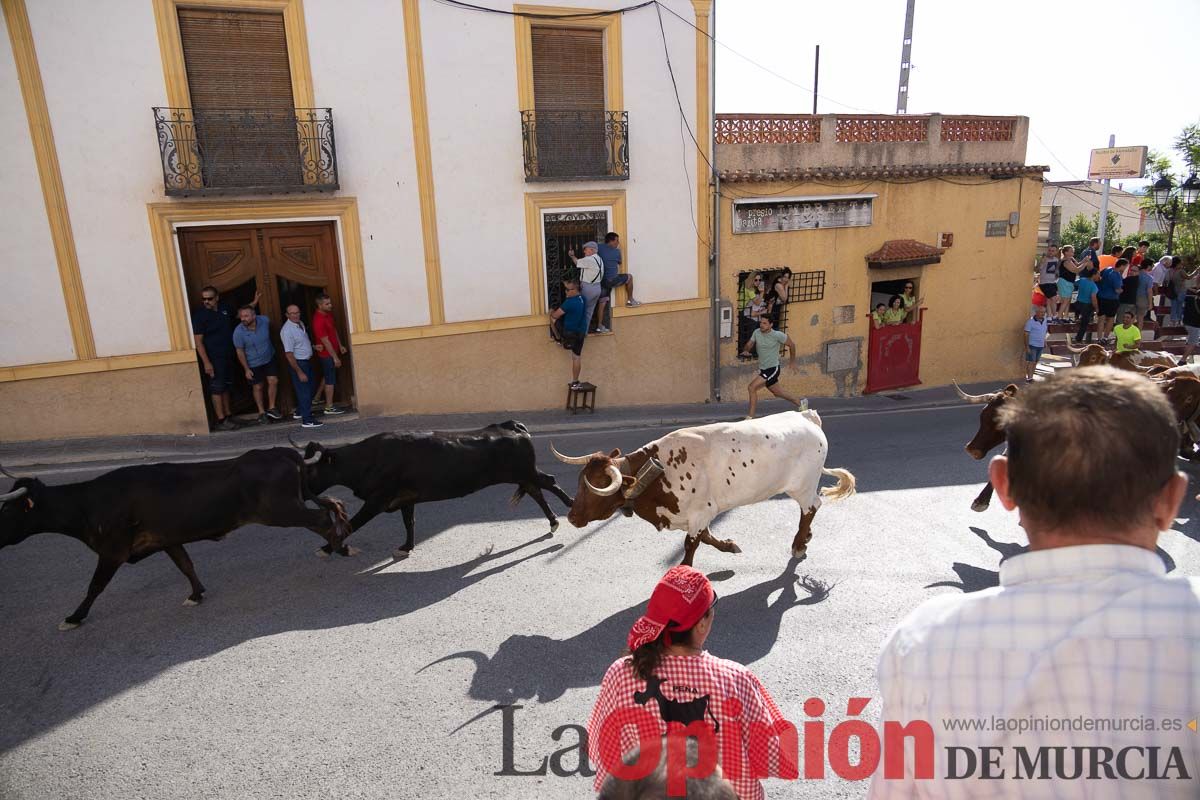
x=117 y=450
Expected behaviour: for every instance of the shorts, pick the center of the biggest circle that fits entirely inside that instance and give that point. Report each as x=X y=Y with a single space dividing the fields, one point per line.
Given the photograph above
x=330 y=370
x=263 y=371
x=1109 y=306
x=1049 y=289
x=1033 y=353
x=1065 y=288
x=1193 y=335
x=222 y=379
x=771 y=376
x=607 y=285
x=573 y=341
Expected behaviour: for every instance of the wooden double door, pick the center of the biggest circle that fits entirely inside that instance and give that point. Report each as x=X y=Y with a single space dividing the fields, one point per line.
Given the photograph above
x=288 y=263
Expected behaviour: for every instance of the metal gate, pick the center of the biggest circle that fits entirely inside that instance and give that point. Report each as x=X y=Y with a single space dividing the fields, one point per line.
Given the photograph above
x=564 y=232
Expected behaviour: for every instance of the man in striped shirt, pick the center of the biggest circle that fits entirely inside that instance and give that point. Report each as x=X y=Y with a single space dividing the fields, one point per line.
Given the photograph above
x=1079 y=674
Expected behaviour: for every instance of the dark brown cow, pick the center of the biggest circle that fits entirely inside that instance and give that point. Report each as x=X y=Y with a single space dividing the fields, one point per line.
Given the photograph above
x=990 y=435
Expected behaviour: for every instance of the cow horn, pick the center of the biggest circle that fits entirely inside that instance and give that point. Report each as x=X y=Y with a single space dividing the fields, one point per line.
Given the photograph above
x=6 y=472
x=971 y=398
x=651 y=471
x=14 y=494
x=313 y=459
x=1075 y=349
x=569 y=459
x=293 y=443
x=613 y=486
x=474 y=656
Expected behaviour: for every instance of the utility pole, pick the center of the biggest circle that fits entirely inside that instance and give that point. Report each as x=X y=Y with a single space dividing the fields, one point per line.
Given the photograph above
x=816 y=77
x=1103 y=221
x=905 y=60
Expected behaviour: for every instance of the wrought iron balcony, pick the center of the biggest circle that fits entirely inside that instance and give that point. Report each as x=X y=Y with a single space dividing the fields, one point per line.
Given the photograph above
x=246 y=151
x=575 y=145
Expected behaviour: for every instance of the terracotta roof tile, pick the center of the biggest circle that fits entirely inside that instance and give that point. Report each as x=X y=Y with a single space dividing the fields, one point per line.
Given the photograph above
x=903 y=250
x=800 y=174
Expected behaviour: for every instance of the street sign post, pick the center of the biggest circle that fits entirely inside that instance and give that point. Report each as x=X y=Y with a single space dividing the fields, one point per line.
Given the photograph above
x=1117 y=162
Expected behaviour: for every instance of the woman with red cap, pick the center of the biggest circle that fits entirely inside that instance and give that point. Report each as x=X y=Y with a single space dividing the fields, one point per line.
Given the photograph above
x=668 y=677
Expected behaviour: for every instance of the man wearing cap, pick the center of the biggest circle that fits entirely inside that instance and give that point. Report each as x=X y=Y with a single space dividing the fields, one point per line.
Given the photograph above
x=668 y=675
x=591 y=273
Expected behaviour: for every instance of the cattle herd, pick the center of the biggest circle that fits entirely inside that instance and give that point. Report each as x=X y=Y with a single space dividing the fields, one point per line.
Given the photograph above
x=681 y=481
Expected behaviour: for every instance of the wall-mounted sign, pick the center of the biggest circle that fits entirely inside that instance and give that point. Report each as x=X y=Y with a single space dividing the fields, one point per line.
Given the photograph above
x=1117 y=162
x=802 y=213
x=996 y=227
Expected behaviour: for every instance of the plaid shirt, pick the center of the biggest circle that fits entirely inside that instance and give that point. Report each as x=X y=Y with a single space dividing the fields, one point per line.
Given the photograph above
x=685 y=679
x=1091 y=631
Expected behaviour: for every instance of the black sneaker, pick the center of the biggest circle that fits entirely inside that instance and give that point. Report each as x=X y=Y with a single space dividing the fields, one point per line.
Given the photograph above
x=296 y=415
x=273 y=413
x=334 y=410
x=226 y=425
x=316 y=423
x=262 y=419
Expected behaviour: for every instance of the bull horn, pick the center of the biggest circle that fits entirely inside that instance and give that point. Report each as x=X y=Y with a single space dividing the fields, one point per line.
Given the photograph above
x=474 y=656
x=6 y=472
x=613 y=486
x=313 y=459
x=569 y=459
x=971 y=398
x=651 y=471
x=14 y=494
x=293 y=443
x=1074 y=349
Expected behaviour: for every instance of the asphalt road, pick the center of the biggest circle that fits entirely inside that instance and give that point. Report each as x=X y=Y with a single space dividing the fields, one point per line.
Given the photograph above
x=301 y=677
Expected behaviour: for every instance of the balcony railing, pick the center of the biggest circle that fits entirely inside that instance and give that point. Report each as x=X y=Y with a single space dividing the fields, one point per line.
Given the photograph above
x=575 y=145
x=246 y=151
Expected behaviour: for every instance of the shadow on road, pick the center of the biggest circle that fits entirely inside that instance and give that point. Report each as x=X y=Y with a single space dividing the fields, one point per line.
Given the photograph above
x=57 y=676
x=528 y=667
x=974 y=579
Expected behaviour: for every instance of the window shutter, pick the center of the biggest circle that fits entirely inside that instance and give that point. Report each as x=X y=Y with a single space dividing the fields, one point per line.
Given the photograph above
x=235 y=59
x=568 y=68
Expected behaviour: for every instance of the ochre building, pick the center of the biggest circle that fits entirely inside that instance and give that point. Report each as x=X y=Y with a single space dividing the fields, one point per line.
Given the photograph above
x=855 y=207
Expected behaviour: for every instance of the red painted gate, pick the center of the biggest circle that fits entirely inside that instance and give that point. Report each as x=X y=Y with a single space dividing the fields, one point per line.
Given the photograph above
x=894 y=356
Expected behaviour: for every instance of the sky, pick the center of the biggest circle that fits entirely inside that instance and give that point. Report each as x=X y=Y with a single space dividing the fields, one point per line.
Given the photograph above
x=1079 y=69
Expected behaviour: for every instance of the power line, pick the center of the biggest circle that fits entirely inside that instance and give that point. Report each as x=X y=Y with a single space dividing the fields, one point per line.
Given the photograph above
x=768 y=70
x=535 y=15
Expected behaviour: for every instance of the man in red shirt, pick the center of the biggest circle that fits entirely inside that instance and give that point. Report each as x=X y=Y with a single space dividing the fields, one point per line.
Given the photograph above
x=329 y=349
x=1140 y=255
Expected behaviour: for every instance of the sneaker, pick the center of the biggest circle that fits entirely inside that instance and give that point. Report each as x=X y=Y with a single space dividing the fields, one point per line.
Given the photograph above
x=318 y=401
x=297 y=415
x=263 y=419
x=574 y=385
x=314 y=424
x=602 y=329
x=632 y=303
x=226 y=425
x=273 y=413
x=334 y=410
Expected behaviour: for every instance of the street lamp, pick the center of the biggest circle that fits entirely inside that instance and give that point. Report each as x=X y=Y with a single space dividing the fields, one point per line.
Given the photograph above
x=1167 y=201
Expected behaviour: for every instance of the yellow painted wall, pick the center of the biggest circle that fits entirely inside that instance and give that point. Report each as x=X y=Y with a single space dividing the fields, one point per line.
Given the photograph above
x=165 y=399
x=652 y=358
x=978 y=296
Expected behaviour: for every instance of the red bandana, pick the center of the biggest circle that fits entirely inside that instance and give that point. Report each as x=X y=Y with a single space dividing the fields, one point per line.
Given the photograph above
x=680 y=599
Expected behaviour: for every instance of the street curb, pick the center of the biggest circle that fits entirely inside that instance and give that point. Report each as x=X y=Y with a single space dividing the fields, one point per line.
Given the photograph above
x=41 y=463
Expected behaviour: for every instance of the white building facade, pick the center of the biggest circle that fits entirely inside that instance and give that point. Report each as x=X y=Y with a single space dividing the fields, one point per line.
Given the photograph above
x=436 y=164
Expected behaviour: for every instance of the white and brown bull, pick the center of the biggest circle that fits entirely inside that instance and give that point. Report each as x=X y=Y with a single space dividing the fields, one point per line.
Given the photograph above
x=685 y=479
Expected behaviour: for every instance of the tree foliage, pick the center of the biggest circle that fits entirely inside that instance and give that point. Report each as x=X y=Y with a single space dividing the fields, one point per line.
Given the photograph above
x=1081 y=227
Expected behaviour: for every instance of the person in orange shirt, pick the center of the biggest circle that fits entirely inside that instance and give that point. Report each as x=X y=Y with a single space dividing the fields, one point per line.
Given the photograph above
x=1111 y=259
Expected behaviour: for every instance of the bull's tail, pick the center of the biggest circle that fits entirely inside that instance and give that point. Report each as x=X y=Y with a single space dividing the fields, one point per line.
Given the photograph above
x=845 y=484
x=516 y=498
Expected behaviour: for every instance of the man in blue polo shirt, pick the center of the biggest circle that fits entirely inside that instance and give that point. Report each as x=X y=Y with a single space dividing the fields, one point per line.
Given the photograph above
x=1109 y=297
x=252 y=339
x=610 y=254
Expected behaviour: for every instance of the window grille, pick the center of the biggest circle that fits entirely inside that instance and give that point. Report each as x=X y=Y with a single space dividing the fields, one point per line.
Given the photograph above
x=801 y=288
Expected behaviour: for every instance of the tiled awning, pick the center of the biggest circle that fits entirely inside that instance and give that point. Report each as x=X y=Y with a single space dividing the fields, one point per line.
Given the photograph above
x=994 y=171
x=904 y=253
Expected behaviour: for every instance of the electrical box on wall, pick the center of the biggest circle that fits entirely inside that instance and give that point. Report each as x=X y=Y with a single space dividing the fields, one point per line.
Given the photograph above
x=726 y=308
x=1014 y=218
x=945 y=240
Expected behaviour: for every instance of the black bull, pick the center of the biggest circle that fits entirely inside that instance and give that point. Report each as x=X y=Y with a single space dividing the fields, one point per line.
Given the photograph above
x=134 y=512
x=395 y=471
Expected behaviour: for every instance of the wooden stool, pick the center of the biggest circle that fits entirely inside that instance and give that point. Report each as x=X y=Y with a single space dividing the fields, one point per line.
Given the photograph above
x=581 y=397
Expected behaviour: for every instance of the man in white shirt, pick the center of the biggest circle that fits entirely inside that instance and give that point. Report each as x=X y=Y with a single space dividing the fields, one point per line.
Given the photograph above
x=1079 y=675
x=299 y=351
x=591 y=272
